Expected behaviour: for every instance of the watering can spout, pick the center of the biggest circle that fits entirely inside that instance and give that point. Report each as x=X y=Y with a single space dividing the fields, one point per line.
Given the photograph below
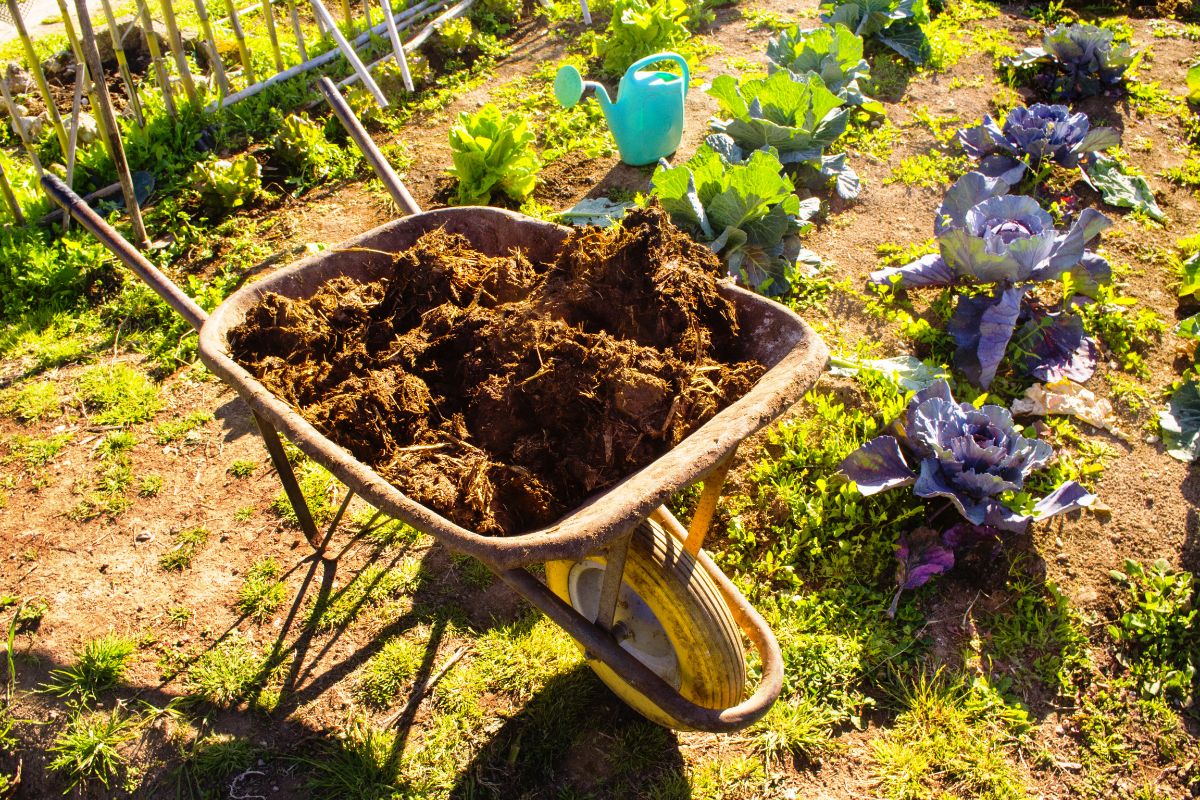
x=646 y=119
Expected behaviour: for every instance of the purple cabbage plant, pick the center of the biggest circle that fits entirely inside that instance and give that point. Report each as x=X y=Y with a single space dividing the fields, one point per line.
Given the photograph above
x=1084 y=58
x=1032 y=138
x=1006 y=245
x=970 y=458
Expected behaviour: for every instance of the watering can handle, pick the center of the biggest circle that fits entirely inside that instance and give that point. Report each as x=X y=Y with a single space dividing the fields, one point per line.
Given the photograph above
x=665 y=56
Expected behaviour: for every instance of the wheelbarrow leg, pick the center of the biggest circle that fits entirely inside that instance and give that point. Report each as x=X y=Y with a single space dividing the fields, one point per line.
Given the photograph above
x=291 y=486
x=614 y=572
x=707 y=506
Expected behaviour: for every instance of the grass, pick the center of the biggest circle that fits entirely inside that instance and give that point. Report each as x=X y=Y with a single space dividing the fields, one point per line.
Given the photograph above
x=118 y=395
x=210 y=761
x=262 y=593
x=389 y=671
x=188 y=542
x=363 y=764
x=1158 y=632
x=370 y=588
x=932 y=170
x=33 y=402
x=34 y=452
x=949 y=740
x=98 y=667
x=88 y=751
x=179 y=428
x=230 y=672
x=241 y=468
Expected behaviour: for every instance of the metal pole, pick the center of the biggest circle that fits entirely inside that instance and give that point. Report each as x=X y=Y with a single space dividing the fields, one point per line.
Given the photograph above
x=587 y=15
x=397 y=46
x=214 y=55
x=90 y=50
x=351 y=56
x=403 y=19
x=122 y=64
x=156 y=56
x=417 y=40
x=10 y=198
x=236 y=24
x=291 y=487
x=175 y=42
x=35 y=67
x=269 y=15
x=383 y=169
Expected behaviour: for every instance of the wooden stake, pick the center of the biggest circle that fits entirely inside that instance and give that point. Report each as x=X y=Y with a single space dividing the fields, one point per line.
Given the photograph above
x=214 y=55
x=10 y=198
x=122 y=64
x=269 y=15
x=397 y=45
x=73 y=138
x=175 y=42
x=73 y=38
x=236 y=24
x=297 y=31
x=367 y=12
x=35 y=67
x=22 y=132
x=92 y=53
x=156 y=56
x=346 y=13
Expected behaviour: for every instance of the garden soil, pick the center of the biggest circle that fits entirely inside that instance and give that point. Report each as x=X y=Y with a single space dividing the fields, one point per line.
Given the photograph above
x=502 y=392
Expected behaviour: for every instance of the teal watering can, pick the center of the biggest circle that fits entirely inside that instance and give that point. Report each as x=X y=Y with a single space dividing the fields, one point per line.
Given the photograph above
x=647 y=118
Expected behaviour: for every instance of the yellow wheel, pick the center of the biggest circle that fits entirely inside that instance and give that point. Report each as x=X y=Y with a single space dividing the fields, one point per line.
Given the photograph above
x=670 y=616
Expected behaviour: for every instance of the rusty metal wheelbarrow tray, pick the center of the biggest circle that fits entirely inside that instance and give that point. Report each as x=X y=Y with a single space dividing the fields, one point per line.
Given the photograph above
x=772 y=335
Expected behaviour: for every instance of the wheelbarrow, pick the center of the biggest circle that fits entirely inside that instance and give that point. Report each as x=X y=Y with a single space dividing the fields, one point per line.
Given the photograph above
x=657 y=620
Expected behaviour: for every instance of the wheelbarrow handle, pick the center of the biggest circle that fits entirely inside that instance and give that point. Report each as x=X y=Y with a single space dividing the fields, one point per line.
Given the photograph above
x=383 y=169
x=74 y=205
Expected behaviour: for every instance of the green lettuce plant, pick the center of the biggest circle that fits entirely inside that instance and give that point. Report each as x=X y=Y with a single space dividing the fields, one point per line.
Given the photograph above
x=748 y=213
x=225 y=185
x=639 y=28
x=800 y=119
x=493 y=152
x=895 y=23
x=833 y=52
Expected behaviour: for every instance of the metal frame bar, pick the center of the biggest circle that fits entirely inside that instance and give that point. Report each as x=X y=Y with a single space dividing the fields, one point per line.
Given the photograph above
x=614 y=575
x=707 y=505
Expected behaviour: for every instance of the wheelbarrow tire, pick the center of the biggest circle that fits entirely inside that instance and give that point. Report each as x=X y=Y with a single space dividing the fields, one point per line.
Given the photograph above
x=702 y=655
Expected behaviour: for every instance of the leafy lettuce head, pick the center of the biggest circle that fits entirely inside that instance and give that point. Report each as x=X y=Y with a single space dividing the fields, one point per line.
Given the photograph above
x=969 y=456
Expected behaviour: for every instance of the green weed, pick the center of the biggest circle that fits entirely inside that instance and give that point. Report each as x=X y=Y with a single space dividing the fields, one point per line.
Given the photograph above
x=150 y=486
x=179 y=616
x=89 y=749
x=795 y=728
x=33 y=402
x=1126 y=332
x=761 y=19
x=932 y=170
x=118 y=395
x=173 y=430
x=230 y=672
x=949 y=741
x=241 y=468
x=389 y=671
x=1159 y=629
x=210 y=762
x=262 y=593
x=35 y=453
x=98 y=667
x=320 y=490
x=188 y=542
x=369 y=588
x=362 y=764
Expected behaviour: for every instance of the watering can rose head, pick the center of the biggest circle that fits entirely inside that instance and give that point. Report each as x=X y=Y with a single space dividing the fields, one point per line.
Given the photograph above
x=970 y=456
